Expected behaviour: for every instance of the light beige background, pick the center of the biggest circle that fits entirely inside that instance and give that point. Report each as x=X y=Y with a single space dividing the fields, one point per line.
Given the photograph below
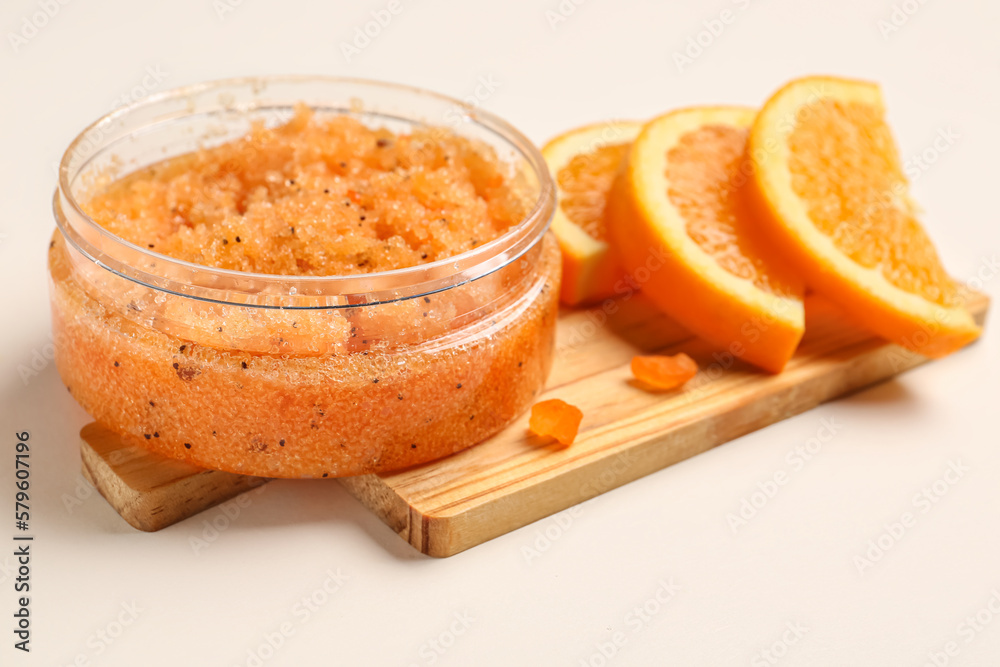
x=559 y=591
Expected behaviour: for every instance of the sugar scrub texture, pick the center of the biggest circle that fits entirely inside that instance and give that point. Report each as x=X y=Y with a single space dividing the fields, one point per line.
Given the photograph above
x=372 y=409
x=317 y=197
x=310 y=393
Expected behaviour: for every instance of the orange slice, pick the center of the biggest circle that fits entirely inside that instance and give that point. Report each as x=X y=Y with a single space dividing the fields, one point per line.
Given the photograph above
x=584 y=162
x=677 y=218
x=829 y=184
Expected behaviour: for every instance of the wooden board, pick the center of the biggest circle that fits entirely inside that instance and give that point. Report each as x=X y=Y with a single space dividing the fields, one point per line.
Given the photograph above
x=148 y=490
x=513 y=479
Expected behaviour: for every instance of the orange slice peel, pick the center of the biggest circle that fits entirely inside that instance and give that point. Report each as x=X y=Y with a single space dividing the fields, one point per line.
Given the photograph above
x=677 y=218
x=829 y=188
x=583 y=163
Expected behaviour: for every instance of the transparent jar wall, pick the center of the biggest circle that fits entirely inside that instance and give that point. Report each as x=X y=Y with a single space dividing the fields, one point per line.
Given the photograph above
x=291 y=376
x=181 y=121
x=382 y=405
x=309 y=330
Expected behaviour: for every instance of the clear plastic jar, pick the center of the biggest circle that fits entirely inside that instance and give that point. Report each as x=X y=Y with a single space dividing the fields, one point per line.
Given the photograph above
x=297 y=376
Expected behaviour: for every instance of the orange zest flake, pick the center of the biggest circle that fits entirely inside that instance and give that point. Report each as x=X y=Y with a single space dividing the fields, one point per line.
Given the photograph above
x=556 y=418
x=664 y=372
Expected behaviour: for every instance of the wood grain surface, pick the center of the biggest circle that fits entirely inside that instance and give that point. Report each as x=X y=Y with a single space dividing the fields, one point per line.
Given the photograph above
x=514 y=478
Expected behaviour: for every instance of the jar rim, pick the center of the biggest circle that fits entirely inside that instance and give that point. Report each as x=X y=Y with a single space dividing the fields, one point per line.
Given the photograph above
x=228 y=286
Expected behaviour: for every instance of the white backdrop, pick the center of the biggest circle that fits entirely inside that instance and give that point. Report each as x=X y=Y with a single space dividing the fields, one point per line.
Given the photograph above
x=652 y=573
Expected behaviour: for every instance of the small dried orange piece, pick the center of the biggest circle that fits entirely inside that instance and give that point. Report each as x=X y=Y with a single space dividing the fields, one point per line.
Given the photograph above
x=664 y=372
x=556 y=418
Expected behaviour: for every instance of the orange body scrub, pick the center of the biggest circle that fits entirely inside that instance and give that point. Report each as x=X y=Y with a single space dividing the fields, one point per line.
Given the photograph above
x=316 y=197
x=320 y=296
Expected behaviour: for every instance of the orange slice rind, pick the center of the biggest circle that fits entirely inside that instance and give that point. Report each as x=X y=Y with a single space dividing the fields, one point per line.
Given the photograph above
x=677 y=219
x=583 y=163
x=829 y=186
